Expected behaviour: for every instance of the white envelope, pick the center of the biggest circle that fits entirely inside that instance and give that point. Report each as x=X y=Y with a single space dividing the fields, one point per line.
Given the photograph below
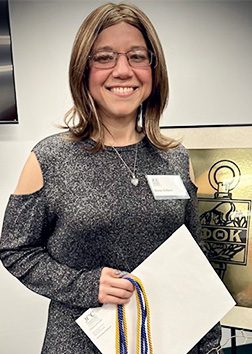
x=186 y=298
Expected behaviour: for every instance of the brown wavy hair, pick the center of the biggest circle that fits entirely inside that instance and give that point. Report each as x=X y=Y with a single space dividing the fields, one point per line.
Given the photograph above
x=83 y=118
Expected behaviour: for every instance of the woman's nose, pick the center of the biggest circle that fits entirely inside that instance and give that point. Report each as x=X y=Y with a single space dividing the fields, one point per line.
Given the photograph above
x=122 y=67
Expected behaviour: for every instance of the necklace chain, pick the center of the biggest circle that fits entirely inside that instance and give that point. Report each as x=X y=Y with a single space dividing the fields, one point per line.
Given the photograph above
x=134 y=180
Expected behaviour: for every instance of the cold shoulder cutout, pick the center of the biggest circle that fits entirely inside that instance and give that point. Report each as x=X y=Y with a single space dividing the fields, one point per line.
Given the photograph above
x=31 y=178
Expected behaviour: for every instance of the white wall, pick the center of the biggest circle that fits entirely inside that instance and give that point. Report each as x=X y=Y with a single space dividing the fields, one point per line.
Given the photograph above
x=209 y=78
x=209 y=52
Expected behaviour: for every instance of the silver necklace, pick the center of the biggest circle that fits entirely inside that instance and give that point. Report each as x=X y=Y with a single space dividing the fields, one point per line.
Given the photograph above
x=134 y=180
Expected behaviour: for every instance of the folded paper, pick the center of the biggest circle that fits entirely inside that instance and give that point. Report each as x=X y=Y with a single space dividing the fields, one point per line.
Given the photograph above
x=185 y=294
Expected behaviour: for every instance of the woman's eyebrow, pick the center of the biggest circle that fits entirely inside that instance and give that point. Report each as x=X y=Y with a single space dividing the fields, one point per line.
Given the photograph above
x=105 y=48
x=135 y=47
x=110 y=49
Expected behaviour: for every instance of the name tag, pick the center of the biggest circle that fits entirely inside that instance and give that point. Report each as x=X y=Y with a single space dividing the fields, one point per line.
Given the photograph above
x=167 y=187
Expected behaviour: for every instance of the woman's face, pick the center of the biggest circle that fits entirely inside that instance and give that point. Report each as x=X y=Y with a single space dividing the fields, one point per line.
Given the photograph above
x=119 y=91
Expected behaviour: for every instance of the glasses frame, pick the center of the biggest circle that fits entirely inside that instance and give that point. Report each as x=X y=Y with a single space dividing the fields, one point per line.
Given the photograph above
x=114 y=63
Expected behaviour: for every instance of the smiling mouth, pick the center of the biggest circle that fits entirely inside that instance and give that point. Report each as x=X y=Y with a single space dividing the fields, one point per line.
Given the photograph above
x=122 y=89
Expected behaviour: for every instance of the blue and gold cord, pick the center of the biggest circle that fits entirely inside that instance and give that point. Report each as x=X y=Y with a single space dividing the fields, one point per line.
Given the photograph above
x=144 y=342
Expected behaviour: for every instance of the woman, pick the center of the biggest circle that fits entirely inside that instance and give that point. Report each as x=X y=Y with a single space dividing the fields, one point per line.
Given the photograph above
x=83 y=208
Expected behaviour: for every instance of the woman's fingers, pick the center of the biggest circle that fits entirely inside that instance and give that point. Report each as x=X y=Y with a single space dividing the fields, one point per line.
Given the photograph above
x=113 y=288
x=114 y=296
x=120 y=283
x=120 y=289
x=120 y=273
x=109 y=299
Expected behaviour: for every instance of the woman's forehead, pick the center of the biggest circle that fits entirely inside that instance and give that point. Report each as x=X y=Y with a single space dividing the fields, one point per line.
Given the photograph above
x=119 y=35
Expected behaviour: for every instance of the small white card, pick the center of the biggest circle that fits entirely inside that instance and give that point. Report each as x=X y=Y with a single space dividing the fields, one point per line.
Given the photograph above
x=186 y=298
x=167 y=187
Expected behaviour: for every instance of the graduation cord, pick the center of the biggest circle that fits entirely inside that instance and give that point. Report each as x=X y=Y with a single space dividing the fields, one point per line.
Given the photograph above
x=143 y=313
x=144 y=342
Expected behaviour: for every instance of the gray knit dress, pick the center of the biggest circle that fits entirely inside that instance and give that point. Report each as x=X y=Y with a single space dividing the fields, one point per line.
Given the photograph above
x=88 y=215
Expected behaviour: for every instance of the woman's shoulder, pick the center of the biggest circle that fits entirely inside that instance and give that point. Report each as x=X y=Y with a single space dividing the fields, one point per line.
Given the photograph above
x=53 y=147
x=53 y=151
x=51 y=142
x=178 y=160
x=174 y=153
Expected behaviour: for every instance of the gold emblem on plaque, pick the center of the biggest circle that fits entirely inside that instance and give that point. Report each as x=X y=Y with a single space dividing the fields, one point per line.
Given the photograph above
x=225 y=195
x=224 y=220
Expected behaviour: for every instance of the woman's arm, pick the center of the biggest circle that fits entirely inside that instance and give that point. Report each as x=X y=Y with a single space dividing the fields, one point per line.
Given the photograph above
x=23 y=248
x=23 y=251
x=191 y=171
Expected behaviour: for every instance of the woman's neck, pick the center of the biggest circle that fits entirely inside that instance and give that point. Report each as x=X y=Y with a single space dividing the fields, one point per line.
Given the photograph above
x=122 y=138
x=120 y=134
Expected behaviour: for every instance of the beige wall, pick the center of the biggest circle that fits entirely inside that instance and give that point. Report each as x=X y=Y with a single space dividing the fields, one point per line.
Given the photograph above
x=213 y=138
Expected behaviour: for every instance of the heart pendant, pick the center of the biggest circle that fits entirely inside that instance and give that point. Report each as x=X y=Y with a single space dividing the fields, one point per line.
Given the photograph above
x=134 y=181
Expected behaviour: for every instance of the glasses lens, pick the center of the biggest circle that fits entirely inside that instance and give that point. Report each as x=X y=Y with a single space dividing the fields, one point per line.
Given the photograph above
x=104 y=60
x=136 y=58
x=140 y=57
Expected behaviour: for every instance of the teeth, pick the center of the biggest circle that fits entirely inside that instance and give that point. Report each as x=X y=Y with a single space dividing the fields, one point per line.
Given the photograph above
x=122 y=89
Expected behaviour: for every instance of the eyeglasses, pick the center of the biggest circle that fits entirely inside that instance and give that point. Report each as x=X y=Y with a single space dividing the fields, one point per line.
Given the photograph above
x=138 y=58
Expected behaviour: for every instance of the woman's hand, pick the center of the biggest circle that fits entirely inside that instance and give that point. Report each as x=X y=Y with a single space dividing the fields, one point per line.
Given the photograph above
x=113 y=289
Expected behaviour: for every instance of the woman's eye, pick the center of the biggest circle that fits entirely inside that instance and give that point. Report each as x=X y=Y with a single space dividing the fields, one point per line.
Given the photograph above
x=103 y=58
x=138 y=56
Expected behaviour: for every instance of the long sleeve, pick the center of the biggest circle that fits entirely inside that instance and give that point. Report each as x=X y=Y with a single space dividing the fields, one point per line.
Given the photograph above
x=192 y=220
x=24 y=253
